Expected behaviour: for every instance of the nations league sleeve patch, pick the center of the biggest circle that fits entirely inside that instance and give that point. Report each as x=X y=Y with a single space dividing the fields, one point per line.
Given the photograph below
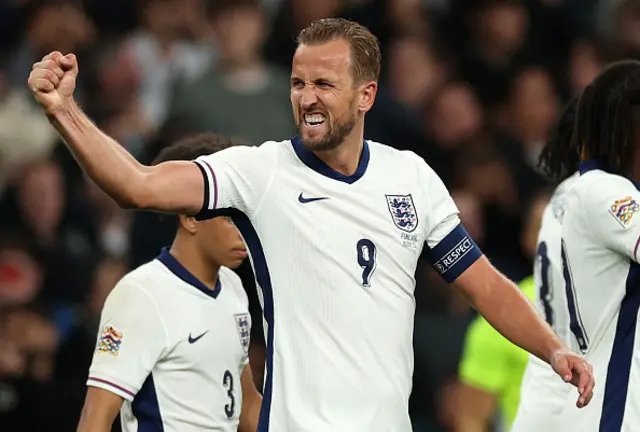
x=623 y=210
x=110 y=341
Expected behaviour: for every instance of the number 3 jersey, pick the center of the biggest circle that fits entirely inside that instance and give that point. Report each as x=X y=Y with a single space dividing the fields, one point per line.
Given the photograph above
x=335 y=258
x=600 y=240
x=173 y=349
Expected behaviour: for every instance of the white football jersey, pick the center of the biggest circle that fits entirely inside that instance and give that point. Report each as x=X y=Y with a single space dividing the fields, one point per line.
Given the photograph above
x=334 y=258
x=173 y=348
x=600 y=237
x=543 y=392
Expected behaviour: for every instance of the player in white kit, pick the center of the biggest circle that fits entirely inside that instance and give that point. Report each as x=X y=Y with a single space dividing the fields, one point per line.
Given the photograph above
x=542 y=393
x=600 y=239
x=174 y=333
x=335 y=225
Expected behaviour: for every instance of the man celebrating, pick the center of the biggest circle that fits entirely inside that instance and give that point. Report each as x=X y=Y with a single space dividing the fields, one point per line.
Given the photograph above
x=335 y=225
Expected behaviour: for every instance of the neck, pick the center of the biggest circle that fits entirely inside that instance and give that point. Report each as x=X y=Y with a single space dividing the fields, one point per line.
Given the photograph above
x=346 y=157
x=187 y=254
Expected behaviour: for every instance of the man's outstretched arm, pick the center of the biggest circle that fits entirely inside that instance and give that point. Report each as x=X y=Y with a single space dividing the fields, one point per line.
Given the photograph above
x=510 y=312
x=176 y=186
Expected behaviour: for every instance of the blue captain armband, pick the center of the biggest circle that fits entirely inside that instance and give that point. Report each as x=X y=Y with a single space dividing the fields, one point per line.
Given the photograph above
x=454 y=254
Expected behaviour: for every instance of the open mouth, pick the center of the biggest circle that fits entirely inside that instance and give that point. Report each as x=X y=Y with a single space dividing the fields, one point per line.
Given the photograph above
x=314 y=120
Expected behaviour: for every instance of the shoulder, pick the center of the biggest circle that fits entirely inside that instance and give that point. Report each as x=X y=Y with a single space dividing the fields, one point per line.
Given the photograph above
x=266 y=148
x=132 y=289
x=598 y=190
x=247 y=154
x=388 y=152
x=596 y=200
x=405 y=160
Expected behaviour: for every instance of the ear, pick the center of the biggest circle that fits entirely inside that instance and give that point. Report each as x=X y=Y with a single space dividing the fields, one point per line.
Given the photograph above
x=189 y=224
x=368 y=92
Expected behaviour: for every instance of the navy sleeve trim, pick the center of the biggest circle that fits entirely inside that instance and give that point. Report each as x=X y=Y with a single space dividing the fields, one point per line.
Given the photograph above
x=454 y=254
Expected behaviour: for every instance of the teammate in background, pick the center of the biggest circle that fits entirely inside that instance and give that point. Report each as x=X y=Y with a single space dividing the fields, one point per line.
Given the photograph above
x=599 y=248
x=542 y=394
x=335 y=225
x=491 y=367
x=174 y=333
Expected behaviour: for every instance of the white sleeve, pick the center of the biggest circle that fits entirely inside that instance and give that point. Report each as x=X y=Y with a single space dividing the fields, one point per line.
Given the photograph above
x=610 y=210
x=131 y=339
x=237 y=178
x=450 y=248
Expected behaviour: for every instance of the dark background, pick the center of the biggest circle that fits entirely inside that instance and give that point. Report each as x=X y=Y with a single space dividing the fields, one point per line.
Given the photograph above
x=472 y=86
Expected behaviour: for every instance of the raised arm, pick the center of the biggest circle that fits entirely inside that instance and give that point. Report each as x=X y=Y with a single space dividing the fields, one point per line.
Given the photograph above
x=176 y=187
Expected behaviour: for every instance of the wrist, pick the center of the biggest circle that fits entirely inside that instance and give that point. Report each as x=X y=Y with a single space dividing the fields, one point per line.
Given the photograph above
x=554 y=348
x=66 y=110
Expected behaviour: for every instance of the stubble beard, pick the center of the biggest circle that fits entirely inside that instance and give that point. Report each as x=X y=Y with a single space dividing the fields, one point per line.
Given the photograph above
x=335 y=136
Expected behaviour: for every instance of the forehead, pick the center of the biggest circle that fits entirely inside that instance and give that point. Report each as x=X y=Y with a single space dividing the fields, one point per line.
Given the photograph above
x=328 y=60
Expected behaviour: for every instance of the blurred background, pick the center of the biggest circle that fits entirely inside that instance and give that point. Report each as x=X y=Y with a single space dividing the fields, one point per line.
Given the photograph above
x=472 y=86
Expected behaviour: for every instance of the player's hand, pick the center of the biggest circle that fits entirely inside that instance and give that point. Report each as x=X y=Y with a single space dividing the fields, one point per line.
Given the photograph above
x=53 y=80
x=575 y=370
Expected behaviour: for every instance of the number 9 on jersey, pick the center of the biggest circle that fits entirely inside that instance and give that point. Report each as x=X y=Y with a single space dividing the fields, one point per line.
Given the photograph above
x=366 y=259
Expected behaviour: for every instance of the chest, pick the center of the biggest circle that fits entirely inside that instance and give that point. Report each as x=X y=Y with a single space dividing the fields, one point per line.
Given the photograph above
x=206 y=334
x=334 y=215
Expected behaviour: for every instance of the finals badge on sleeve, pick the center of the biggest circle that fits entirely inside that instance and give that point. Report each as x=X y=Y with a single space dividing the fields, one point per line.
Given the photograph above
x=110 y=340
x=624 y=209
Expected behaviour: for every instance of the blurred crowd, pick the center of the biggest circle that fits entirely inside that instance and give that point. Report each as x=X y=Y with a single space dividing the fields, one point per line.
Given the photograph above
x=472 y=86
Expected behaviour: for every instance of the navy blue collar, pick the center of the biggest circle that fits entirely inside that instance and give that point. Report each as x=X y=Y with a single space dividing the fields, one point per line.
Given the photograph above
x=594 y=164
x=602 y=165
x=177 y=269
x=316 y=164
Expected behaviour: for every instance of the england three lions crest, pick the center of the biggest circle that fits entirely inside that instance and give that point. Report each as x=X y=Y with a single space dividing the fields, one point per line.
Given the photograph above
x=243 y=325
x=403 y=212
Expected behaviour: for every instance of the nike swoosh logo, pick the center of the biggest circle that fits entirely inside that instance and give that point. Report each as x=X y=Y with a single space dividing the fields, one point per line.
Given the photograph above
x=304 y=200
x=196 y=339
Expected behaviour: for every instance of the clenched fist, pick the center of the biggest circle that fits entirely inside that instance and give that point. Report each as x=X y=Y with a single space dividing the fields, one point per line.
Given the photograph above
x=53 y=80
